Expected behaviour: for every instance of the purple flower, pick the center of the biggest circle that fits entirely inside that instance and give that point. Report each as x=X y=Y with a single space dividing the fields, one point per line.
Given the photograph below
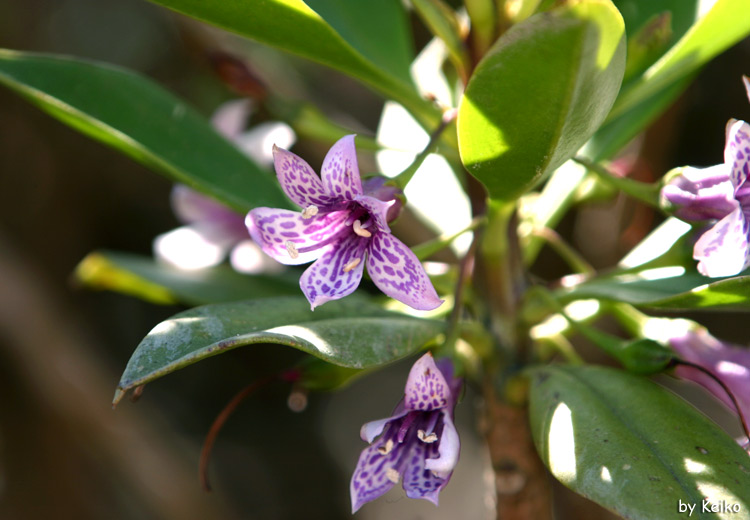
x=719 y=192
x=728 y=363
x=419 y=444
x=696 y=194
x=343 y=225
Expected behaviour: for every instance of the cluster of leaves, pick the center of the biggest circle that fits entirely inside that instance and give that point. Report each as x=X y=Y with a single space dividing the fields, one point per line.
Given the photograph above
x=547 y=89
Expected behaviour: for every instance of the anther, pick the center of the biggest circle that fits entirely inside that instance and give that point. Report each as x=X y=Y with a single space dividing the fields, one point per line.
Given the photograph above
x=426 y=438
x=386 y=449
x=392 y=475
x=291 y=249
x=358 y=229
x=310 y=211
x=351 y=265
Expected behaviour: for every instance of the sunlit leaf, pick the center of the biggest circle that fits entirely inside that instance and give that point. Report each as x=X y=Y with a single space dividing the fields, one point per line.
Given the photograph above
x=136 y=116
x=539 y=94
x=351 y=333
x=632 y=446
x=145 y=278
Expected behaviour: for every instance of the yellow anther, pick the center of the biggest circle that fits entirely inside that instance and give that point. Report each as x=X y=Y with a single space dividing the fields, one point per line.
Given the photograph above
x=291 y=249
x=426 y=438
x=392 y=475
x=386 y=449
x=351 y=265
x=358 y=229
x=310 y=211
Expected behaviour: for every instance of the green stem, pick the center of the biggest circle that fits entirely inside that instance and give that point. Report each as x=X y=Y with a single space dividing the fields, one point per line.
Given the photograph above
x=403 y=178
x=427 y=249
x=572 y=257
x=645 y=192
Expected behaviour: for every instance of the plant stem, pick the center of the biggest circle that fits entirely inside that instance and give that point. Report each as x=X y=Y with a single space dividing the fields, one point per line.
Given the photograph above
x=648 y=193
x=403 y=178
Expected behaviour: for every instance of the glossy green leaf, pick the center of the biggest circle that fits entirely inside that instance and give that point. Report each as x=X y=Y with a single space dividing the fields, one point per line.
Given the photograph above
x=699 y=35
x=136 y=116
x=669 y=288
x=367 y=40
x=539 y=94
x=145 y=278
x=351 y=333
x=632 y=446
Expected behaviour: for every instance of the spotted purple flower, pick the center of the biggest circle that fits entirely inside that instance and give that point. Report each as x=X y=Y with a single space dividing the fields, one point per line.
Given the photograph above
x=418 y=445
x=728 y=363
x=343 y=226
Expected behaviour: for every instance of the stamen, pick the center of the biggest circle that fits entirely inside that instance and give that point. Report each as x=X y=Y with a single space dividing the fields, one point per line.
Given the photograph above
x=310 y=211
x=351 y=265
x=358 y=229
x=426 y=438
x=385 y=450
x=291 y=249
x=392 y=475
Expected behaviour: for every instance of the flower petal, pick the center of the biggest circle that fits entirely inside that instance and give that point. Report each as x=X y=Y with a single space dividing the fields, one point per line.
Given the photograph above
x=214 y=218
x=340 y=171
x=371 y=476
x=258 y=142
x=372 y=429
x=298 y=180
x=448 y=449
x=399 y=274
x=231 y=117
x=426 y=388
x=701 y=193
x=723 y=249
x=737 y=153
x=272 y=228
x=377 y=209
x=337 y=273
x=420 y=482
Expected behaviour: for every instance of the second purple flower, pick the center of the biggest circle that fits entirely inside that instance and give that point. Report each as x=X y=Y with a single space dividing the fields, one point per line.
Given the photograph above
x=343 y=226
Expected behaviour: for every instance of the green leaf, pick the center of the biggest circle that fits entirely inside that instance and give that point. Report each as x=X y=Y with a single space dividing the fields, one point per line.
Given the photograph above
x=136 y=116
x=144 y=278
x=702 y=36
x=367 y=40
x=351 y=333
x=539 y=94
x=632 y=446
x=669 y=288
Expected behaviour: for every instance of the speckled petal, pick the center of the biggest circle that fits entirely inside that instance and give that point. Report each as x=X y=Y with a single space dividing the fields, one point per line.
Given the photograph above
x=448 y=449
x=399 y=274
x=340 y=172
x=426 y=388
x=377 y=209
x=737 y=153
x=298 y=180
x=333 y=275
x=420 y=482
x=723 y=249
x=272 y=228
x=372 y=429
x=370 y=479
x=701 y=193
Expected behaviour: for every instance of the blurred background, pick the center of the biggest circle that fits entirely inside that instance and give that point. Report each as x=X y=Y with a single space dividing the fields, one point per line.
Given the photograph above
x=64 y=453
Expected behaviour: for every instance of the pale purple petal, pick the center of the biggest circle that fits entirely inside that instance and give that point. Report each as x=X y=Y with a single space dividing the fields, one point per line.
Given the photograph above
x=426 y=388
x=337 y=273
x=258 y=142
x=377 y=209
x=701 y=193
x=340 y=172
x=273 y=228
x=746 y=82
x=377 y=188
x=372 y=429
x=729 y=363
x=448 y=449
x=723 y=249
x=213 y=218
x=298 y=180
x=399 y=274
x=419 y=482
x=231 y=117
x=370 y=480
x=737 y=153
